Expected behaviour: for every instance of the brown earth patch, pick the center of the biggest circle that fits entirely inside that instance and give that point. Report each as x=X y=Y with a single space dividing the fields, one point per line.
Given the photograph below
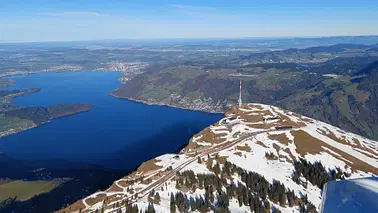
x=284 y=158
x=245 y=148
x=366 y=147
x=332 y=136
x=93 y=200
x=276 y=147
x=282 y=120
x=255 y=106
x=222 y=159
x=343 y=140
x=286 y=121
x=208 y=136
x=113 y=198
x=260 y=126
x=270 y=156
x=282 y=138
x=192 y=146
x=114 y=188
x=238 y=153
x=368 y=154
x=77 y=206
x=124 y=183
x=149 y=166
x=287 y=150
x=303 y=118
x=261 y=144
x=146 y=181
x=256 y=117
x=305 y=143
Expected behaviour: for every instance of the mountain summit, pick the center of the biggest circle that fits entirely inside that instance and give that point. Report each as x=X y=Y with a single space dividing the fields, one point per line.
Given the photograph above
x=258 y=158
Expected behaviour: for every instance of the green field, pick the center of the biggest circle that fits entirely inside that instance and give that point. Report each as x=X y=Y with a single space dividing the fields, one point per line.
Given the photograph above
x=25 y=190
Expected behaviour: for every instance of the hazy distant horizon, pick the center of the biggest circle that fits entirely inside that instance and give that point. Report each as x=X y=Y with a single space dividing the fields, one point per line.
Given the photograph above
x=188 y=39
x=55 y=20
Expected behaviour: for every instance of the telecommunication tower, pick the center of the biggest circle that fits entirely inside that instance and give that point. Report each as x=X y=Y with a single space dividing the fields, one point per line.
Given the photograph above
x=240 y=95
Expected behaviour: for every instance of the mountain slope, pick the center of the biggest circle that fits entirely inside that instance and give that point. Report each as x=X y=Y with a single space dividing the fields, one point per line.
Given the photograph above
x=258 y=157
x=320 y=82
x=347 y=101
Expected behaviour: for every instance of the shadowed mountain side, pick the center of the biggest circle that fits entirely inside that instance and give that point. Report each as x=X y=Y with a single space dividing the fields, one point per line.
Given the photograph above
x=85 y=182
x=40 y=169
x=80 y=180
x=155 y=145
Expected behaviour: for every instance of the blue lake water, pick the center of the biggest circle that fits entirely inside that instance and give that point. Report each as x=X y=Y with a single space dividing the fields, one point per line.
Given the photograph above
x=115 y=133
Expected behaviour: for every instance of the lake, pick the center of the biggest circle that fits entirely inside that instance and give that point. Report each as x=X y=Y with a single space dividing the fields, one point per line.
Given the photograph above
x=115 y=133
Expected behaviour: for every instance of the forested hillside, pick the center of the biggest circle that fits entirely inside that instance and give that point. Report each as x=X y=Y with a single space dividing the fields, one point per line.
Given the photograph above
x=335 y=84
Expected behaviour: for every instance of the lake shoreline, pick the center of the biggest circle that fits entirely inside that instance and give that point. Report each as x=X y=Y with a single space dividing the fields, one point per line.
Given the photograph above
x=153 y=103
x=112 y=125
x=22 y=73
x=35 y=125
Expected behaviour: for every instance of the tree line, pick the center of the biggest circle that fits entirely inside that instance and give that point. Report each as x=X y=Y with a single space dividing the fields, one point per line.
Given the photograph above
x=253 y=191
x=316 y=173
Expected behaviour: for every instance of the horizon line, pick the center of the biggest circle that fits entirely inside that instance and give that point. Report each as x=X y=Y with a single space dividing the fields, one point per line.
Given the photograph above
x=183 y=38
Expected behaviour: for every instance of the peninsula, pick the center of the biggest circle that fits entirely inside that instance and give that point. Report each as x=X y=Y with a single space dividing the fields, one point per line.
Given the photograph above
x=15 y=119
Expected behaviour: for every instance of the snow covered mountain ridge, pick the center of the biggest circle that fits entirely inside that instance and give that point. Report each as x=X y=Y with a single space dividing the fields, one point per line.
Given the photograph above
x=258 y=158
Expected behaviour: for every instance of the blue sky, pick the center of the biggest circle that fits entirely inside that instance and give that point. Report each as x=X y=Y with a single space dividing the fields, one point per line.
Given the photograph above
x=67 y=20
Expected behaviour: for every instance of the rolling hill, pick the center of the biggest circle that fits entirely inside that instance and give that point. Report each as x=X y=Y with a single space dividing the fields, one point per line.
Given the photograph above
x=334 y=84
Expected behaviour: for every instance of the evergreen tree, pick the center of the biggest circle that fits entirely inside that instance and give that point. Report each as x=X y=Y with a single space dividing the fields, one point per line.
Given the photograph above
x=267 y=206
x=283 y=199
x=315 y=173
x=223 y=202
x=216 y=169
x=194 y=188
x=291 y=198
x=173 y=204
x=157 y=197
x=150 y=208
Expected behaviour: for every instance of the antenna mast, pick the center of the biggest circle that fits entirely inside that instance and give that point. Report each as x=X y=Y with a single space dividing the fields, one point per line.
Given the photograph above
x=240 y=91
